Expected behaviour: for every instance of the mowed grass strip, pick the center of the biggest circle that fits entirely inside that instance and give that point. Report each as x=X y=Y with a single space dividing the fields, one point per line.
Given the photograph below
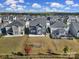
x=9 y=44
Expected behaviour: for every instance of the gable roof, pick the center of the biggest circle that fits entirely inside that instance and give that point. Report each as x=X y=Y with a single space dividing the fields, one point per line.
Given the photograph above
x=15 y=23
x=76 y=25
x=2 y=25
x=36 y=21
x=58 y=24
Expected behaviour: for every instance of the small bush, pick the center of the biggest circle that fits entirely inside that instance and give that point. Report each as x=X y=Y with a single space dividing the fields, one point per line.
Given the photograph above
x=19 y=54
x=66 y=48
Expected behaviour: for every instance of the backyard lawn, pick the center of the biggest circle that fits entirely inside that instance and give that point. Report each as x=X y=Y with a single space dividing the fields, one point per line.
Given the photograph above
x=39 y=44
x=43 y=44
x=8 y=45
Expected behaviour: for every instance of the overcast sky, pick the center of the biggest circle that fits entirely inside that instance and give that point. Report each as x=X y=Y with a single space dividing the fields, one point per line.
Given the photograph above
x=39 y=5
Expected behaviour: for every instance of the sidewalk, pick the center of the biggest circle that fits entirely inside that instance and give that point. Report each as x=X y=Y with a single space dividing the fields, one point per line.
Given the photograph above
x=13 y=35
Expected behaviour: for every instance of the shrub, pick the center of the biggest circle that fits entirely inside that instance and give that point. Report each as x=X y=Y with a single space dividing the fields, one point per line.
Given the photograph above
x=65 y=49
x=19 y=54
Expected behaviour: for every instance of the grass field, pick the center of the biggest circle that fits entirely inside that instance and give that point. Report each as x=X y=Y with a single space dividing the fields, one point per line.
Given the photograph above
x=40 y=44
x=8 y=45
x=55 y=45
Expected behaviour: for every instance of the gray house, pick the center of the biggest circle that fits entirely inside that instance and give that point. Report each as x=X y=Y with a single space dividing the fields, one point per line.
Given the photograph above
x=74 y=29
x=58 y=29
x=37 y=26
x=2 y=28
x=71 y=19
x=53 y=19
x=15 y=28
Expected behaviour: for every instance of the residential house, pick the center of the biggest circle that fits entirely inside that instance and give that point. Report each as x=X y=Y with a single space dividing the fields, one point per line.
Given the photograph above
x=5 y=18
x=2 y=28
x=74 y=29
x=51 y=20
x=38 y=26
x=15 y=28
x=71 y=19
x=77 y=17
x=64 y=18
x=58 y=29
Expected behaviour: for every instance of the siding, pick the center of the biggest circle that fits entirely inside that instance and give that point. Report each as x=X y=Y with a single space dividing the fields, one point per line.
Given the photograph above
x=78 y=34
x=72 y=30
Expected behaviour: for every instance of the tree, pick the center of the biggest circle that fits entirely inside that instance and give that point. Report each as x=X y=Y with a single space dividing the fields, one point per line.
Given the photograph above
x=65 y=49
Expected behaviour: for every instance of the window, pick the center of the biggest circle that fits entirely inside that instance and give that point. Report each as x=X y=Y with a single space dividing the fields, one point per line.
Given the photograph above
x=33 y=31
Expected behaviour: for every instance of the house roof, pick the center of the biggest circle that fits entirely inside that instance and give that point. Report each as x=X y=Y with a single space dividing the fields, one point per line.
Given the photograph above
x=36 y=21
x=2 y=25
x=61 y=30
x=58 y=24
x=15 y=23
x=76 y=25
